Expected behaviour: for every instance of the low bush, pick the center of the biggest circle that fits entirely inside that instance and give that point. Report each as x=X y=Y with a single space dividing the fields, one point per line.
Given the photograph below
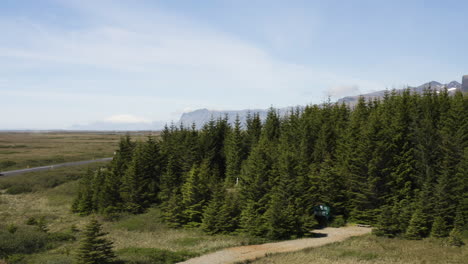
x=6 y=164
x=338 y=221
x=152 y=256
x=41 y=180
x=25 y=240
x=28 y=240
x=61 y=237
x=18 y=189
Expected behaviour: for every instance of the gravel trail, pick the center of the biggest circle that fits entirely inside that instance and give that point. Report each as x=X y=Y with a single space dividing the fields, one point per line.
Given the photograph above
x=236 y=254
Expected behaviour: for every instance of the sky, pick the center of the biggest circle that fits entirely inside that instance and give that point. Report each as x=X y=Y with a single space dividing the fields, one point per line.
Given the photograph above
x=79 y=62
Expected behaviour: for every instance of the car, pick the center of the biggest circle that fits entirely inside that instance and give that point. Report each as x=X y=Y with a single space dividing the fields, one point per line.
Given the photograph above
x=1 y=174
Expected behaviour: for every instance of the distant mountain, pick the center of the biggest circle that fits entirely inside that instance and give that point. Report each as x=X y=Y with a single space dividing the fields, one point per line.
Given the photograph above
x=451 y=87
x=201 y=116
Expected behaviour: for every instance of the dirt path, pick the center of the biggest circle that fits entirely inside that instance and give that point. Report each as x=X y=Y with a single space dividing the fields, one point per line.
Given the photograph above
x=236 y=254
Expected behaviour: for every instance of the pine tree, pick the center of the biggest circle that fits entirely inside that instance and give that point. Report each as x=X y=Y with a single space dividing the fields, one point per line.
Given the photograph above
x=234 y=153
x=195 y=194
x=94 y=248
x=152 y=167
x=135 y=182
x=173 y=210
x=122 y=156
x=282 y=222
x=354 y=157
x=211 y=215
x=455 y=238
x=417 y=227
x=439 y=227
x=83 y=204
x=253 y=131
x=387 y=225
x=462 y=187
x=109 y=198
x=229 y=214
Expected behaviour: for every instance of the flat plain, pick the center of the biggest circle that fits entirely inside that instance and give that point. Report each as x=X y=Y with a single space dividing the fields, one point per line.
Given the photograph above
x=28 y=149
x=47 y=196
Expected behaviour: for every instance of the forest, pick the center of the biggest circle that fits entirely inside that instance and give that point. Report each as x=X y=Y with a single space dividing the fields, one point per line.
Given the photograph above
x=399 y=164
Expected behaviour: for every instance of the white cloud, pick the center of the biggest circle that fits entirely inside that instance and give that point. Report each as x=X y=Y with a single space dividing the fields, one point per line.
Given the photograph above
x=127 y=119
x=146 y=62
x=178 y=52
x=343 y=90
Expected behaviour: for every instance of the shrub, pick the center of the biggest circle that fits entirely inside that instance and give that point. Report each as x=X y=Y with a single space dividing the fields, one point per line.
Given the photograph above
x=18 y=189
x=152 y=255
x=31 y=221
x=12 y=228
x=25 y=240
x=61 y=237
x=338 y=221
x=6 y=164
x=455 y=238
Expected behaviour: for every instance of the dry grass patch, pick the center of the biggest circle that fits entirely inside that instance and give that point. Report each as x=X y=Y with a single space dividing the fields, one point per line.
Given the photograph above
x=371 y=249
x=23 y=150
x=147 y=231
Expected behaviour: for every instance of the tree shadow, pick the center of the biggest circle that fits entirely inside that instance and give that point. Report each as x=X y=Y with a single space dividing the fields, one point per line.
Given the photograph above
x=317 y=235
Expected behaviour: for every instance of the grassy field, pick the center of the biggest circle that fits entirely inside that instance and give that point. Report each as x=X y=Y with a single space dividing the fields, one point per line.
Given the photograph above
x=372 y=249
x=46 y=196
x=23 y=150
x=137 y=238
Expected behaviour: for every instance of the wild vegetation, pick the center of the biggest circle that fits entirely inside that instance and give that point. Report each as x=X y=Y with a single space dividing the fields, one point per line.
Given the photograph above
x=45 y=231
x=399 y=164
x=373 y=249
x=23 y=150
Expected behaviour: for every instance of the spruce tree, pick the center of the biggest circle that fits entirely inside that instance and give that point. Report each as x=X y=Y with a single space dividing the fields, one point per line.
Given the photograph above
x=234 y=153
x=83 y=203
x=417 y=228
x=229 y=214
x=211 y=215
x=135 y=182
x=387 y=225
x=455 y=238
x=439 y=227
x=94 y=248
x=195 y=194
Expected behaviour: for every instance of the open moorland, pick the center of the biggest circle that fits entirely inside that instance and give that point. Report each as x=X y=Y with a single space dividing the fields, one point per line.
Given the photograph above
x=38 y=226
x=373 y=249
x=24 y=150
x=34 y=202
x=137 y=238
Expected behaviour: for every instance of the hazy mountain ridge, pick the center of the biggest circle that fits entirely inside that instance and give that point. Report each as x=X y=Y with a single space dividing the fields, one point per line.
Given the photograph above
x=201 y=116
x=451 y=86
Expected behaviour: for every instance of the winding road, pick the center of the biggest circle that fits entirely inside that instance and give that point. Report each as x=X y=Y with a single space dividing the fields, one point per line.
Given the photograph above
x=238 y=254
x=66 y=164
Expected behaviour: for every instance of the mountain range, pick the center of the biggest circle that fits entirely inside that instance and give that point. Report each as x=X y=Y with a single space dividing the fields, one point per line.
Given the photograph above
x=201 y=116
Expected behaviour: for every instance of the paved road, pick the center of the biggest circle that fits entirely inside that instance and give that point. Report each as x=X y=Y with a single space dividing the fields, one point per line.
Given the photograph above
x=66 y=164
x=239 y=254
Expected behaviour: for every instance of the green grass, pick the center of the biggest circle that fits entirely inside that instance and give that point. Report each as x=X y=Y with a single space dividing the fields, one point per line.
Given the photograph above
x=152 y=256
x=137 y=238
x=42 y=180
x=372 y=249
x=23 y=150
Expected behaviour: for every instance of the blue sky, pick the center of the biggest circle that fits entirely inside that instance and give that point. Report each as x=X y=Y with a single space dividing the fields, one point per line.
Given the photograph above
x=67 y=62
